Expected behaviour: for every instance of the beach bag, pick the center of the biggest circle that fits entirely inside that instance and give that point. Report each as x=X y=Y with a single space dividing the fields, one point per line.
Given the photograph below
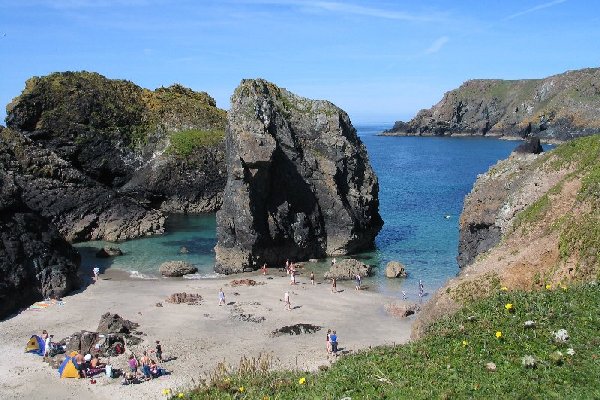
x=108 y=371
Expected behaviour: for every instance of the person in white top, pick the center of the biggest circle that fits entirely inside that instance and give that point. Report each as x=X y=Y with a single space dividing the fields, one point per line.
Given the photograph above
x=96 y=273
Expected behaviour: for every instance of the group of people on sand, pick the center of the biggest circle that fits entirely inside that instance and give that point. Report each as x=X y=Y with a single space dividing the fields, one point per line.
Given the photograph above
x=145 y=368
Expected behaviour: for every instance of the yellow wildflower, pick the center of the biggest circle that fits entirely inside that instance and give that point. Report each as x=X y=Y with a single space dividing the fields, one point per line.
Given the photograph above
x=465 y=343
x=302 y=380
x=564 y=288
x=180 y=395
x=504 y=289
x=241 y=389
x=498 y=334
x=548 y=286
x=166 y=392
x=266 y=398
x=508 y=306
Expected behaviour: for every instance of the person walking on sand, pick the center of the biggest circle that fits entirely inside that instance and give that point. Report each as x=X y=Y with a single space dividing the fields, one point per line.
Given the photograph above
x=221 y=297
x=96 y=271
x=264 y=269
x=286 y=299
x=287 y=266
x=292 y=277
x=312 y=278
x=333 y=285
x=328 y=341
x=158 y=351
x=358 y=281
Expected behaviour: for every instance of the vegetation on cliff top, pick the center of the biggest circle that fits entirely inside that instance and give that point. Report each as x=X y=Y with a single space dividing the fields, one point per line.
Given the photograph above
x=530 y=359
x=81 y=105
x=185 y=142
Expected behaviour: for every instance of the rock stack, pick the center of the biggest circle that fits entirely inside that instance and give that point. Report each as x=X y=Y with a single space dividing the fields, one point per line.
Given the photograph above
x=299 y=182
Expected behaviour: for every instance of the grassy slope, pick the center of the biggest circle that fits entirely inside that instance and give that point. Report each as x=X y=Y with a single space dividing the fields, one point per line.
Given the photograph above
x=449 y=362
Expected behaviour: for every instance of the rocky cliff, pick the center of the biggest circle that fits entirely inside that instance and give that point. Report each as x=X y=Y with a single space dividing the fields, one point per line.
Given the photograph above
x=106 y=157
x=35 y=261
x=299 y=181
x=531 y=222
x=559 y=107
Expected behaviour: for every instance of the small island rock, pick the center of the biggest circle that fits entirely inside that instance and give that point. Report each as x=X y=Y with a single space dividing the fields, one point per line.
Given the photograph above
x=109 y=251
x=177 y=268
x=395 y=269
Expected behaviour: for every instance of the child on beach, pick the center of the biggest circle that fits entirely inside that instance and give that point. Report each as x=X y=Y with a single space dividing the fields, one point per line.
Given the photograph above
x=133 y=364
x=328 y=341
x=334 y=343
x=333 y=285
x=221 y=297
x=312 y=278
x=96 y=274
x=286 y=299
x=358 y=281
x=158 y=351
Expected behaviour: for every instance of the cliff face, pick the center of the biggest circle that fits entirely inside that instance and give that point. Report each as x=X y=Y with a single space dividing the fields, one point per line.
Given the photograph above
x=530 y=221
x=560 y=107
x=299 y=182
x=105 y=155
x=35 y=261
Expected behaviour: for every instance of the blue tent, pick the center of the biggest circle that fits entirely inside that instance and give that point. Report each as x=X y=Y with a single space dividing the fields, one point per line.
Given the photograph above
x=35 y=345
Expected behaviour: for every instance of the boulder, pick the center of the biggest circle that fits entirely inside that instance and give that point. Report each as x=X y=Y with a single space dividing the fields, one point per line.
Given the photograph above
x=347 y=269
x=187 y=298
x=530 y=146
x=395 y=269
x=109 y=251
x=113 y=323
x=402 y=310
x=83 y=341
x=299 y=182
x=176 y=268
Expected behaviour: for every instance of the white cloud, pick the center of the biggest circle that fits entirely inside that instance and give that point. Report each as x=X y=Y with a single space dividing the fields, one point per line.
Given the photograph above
x=437 y=45
x=536 y=8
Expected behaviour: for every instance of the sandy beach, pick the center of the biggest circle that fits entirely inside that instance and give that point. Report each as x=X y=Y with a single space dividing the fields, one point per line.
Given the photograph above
x=196 y=337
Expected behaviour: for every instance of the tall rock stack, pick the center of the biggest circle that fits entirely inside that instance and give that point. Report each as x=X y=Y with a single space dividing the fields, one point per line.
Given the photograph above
x=299 y=182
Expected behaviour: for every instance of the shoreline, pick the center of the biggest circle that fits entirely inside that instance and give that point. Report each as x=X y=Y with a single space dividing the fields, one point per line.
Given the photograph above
x=198 y=337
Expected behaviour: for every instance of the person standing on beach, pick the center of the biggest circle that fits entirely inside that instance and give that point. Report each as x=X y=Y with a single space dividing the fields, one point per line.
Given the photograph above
x=96 y=271
x=292 y=277
x=286 y=299
x=312 y=278
x=334 y=343
x=328 y=341
x=158 y=351
x=264 y=269
x=221 y=297
x=358 y=281
x=333 y=285
x=421 y=290
x=287 y=266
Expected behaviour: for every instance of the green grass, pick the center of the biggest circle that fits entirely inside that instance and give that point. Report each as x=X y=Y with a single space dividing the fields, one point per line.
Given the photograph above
x=186 y=142
x=451 y=361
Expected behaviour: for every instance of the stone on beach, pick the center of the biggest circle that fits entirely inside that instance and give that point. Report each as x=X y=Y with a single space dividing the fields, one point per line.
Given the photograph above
x=176 y=268
x=347 y=269
x=109 y=251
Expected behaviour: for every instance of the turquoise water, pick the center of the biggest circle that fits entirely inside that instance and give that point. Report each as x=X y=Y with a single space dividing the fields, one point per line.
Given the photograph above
x=423 y=182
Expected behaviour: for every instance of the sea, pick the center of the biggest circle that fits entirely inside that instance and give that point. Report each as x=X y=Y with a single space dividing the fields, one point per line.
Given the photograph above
x=422 y=185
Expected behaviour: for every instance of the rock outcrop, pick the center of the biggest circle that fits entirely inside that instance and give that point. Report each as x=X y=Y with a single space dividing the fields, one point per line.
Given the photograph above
x=560 y=107
x=395 y=269
x=530 y=221
x=35 y=261
x=299 y=182
x=106 y=156
x=176 y=268
x=347 y=269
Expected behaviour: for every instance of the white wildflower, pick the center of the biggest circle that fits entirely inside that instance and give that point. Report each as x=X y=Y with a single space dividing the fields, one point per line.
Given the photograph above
x=529 y=324
x=528 y=361
x=570 y=351
x=561 y=336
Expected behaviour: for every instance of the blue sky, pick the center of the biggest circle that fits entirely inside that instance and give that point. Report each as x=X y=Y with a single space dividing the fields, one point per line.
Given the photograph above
x=379 y=60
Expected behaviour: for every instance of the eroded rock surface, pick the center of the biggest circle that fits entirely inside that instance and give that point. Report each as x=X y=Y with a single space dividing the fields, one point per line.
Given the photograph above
x=347 y=269
x=299 y=183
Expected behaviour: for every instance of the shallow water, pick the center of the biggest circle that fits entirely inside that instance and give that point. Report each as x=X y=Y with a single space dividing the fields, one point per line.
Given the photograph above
x=423 y=182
